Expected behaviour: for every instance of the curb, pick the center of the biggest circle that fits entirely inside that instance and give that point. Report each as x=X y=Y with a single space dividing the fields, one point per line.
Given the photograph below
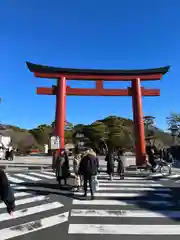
x=25 y=167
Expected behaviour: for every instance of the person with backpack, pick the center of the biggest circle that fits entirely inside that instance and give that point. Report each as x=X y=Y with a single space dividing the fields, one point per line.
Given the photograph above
x=6 y=193
x=110 y=164
x=88 y=168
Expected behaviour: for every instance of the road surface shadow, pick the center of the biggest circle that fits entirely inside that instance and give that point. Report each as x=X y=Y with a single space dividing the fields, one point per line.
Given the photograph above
x=40 y=188
x=169 y=201
x=170 y=208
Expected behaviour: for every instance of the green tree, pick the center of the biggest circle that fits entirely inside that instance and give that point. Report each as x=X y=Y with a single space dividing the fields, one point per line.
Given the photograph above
x=41 y=133
x=68 y=125
x=173 y=121
x=115 y=131
x=95 y=132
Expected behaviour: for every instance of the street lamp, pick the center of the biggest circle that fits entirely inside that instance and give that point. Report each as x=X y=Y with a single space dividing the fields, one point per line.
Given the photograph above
x=149 y=125
x=79 y=136
x=174 y=132
x=105 y=149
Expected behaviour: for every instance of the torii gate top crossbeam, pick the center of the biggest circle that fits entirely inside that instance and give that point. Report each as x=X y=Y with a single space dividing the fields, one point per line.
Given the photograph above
x=96 y=74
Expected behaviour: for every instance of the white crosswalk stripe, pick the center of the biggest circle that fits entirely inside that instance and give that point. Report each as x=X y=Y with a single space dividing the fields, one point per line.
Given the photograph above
x=125 y=229
x=33 y=176
x=120 y=202
x=174 y=176
x=27 y=177
x=41 y=208
x=42 y=175
x=14 y=180
x=20 y=178
x=149 y=206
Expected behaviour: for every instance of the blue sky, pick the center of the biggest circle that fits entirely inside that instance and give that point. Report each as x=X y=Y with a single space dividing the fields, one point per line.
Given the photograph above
x=116 y=34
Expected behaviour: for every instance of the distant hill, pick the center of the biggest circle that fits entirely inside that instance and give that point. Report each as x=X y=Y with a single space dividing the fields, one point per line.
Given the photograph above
x=21 y=138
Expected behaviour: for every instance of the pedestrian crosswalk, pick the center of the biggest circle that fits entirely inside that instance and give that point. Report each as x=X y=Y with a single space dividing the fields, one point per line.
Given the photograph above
x=33 y=213
x=133 y=206
x=175 y=177
x=17 y=178
x=36 y=176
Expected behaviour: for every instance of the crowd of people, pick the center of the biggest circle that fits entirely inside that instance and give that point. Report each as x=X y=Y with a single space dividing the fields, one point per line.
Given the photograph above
x=86 y=168
x=6 y=153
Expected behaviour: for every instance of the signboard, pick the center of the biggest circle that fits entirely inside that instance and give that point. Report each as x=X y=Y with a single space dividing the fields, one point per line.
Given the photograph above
x=55 y=143
x=80 y=143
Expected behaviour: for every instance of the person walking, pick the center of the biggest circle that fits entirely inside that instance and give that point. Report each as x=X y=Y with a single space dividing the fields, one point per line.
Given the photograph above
x=88 y=168
x=151 y=157
x=110 y=164
x=161 y=153
x=120 y=167
x=169 y=156
x=7 y=154
x=6 y=193
x=11 y=153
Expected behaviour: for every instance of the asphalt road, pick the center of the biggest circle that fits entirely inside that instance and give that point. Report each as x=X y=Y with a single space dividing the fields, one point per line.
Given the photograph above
x=42 y=208
x=48 y=160
x=137 y=207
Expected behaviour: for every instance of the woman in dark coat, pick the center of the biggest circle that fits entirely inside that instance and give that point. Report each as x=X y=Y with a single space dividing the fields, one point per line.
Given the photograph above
x=62 y=166
x=110 y=164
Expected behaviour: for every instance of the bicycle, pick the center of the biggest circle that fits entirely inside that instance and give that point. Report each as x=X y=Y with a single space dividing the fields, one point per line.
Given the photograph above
x=161 y=166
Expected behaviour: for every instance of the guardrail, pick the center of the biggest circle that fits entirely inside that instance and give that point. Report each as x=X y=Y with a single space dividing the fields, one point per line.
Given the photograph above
x=26 y=166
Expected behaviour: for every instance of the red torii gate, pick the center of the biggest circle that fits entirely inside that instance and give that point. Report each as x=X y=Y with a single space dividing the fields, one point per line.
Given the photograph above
x=136 y=91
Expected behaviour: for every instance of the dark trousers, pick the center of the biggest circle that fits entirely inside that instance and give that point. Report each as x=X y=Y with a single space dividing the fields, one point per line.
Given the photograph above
x=59 y=178
x=120 y=169
x=60 y=181
x=153 y=164
x=86 y=180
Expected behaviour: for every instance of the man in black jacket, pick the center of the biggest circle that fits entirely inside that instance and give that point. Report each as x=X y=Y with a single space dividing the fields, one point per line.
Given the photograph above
x=6 y=193
x=88 y=168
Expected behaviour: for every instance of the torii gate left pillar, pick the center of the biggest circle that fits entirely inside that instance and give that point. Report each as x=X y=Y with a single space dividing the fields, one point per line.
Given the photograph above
x=136 y=91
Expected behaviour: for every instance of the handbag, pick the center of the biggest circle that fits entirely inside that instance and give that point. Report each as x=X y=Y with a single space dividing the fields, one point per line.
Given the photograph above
x=95 y=183
x=77 y=180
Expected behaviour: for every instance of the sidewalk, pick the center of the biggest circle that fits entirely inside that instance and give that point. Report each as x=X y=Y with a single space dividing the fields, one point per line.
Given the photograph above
x=45 y=162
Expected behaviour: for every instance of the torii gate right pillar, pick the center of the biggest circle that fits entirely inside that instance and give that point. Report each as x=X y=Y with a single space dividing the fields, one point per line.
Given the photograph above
x=138 y=122
x=60 y=109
